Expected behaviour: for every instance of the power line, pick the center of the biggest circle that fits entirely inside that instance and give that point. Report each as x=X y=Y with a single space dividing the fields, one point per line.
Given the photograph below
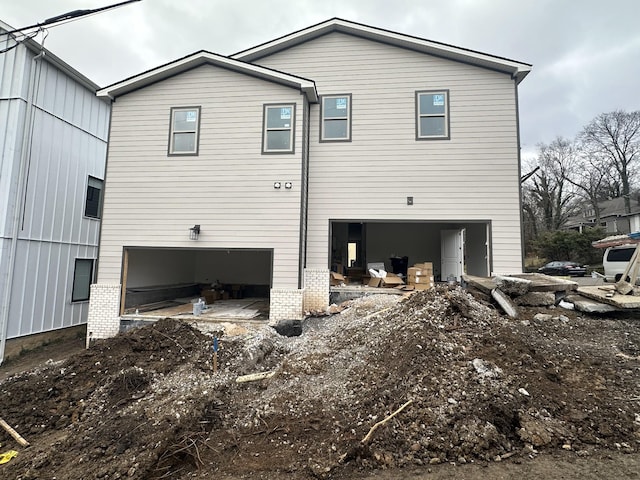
x=66 y=17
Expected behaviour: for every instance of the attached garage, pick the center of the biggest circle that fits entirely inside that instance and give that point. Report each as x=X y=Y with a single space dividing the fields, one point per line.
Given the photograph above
x=453 y=247
x=156 y=277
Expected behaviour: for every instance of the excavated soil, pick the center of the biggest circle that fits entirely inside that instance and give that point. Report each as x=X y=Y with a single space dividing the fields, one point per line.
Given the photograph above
x=478 y=390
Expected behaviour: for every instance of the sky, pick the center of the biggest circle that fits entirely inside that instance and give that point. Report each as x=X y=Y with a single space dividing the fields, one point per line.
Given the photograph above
x=585 y=53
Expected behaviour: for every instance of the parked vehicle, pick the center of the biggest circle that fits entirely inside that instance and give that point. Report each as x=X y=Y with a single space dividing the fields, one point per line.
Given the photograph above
x=615 y=261
x=564 y=268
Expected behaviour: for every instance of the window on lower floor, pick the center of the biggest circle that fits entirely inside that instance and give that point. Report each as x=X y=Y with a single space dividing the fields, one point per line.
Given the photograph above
x=184 y=131
x=94 y=198
x=335 y=118
x=432 y=115
x=82 y=276
x=278 y=121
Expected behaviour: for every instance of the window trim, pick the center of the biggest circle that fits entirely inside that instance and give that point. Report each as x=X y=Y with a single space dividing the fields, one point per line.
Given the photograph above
x=446 y=115
x=73 y=284
x=322 y=119
x=170 y=152
x=86 y=193
x=292 y=135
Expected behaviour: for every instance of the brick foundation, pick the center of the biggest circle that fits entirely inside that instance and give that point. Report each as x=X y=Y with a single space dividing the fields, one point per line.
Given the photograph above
x=316 y=289
x=285 y=304
x=104 y=308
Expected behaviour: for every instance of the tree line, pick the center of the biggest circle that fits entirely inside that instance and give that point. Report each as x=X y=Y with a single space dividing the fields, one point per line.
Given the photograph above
x=569 y=176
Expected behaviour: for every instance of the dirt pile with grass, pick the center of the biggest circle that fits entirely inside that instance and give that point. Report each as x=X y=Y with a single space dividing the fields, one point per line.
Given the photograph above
x=465 y=385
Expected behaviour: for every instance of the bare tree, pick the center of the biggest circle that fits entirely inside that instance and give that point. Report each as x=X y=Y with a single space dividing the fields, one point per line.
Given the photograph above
x=592 y=179
x=615 y=138
x=549 y=195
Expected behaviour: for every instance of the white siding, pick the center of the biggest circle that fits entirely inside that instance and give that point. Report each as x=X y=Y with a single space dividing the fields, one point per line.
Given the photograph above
x=152 y=199
x=473 y=176
x=68 y=144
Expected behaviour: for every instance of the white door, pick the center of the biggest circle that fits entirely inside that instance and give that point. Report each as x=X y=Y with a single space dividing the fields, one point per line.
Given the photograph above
x=452 y=254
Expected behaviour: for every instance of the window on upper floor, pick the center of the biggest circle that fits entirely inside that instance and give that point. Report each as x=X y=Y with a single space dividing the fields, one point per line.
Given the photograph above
x=335 y=118
x=93 y=201
x=184 y=131
x=432 y=115
x=277 y=128
x=82 y=276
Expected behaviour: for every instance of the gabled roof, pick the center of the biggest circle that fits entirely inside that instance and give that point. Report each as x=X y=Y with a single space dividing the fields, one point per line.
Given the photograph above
x=207 y=58
x=517 y=70
x=614 y=207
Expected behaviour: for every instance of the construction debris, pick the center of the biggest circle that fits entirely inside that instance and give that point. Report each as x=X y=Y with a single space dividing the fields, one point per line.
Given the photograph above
x=434 y=378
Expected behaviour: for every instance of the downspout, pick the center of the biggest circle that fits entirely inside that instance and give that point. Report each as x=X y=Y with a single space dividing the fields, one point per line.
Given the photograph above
x=25 y=155
x=519 y=147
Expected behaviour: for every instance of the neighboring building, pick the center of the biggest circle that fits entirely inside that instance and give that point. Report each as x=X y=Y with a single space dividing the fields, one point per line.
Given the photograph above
x=53 y=140
x=340 y=144
x=613 y=217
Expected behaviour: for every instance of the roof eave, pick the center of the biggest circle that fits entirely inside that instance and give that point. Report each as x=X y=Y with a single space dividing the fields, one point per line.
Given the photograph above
x=202 y=58
x=518 y=70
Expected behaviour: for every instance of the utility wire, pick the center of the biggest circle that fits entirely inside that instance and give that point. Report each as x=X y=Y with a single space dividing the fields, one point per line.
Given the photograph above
x=67 y=17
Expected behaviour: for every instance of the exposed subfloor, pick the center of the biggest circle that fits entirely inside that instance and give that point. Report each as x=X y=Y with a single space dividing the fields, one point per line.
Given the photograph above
x=221 y=310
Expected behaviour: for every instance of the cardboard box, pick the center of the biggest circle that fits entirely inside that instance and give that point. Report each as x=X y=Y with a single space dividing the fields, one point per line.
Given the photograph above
x=209 y=296
x=337 y=279
x=423 y=269
x=422 y=286
x=391 y=280
x=421 y=279
x=424 y=266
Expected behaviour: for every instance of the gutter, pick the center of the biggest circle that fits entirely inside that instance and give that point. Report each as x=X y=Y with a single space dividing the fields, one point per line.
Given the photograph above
x=25 y=155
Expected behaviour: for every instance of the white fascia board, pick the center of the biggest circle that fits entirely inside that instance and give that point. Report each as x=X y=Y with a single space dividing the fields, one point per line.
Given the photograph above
x=202 y=58
x=518 y=70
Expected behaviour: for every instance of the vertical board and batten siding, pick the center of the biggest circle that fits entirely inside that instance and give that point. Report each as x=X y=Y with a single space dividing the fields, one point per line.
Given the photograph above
x=68 y=144
x=472 y=176
x=152 y=199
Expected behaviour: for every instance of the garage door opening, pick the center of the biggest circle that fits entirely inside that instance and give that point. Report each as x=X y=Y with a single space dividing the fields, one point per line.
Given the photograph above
x=164 y=282
x=454 y=248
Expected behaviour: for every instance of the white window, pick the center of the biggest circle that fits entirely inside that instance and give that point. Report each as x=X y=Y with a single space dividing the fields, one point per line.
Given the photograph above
x=93 y=200
x=278 y=121
x=336 y=118
x=184 y=131
x=82 y=276
x=432 y=115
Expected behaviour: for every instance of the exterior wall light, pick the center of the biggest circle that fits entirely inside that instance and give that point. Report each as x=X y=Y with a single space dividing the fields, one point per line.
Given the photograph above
x=277 y=185
x=194 y=232
x=288 y=185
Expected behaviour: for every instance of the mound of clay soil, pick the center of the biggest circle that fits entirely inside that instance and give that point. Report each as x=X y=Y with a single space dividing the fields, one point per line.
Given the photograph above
x=436 y=377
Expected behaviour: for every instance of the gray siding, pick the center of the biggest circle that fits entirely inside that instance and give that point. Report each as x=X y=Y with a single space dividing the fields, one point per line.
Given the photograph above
x=67 y=145
x=152 y=199
x=474 y=175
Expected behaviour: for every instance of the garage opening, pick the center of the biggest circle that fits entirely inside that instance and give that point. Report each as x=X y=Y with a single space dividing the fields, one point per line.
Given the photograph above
x=166 y=282
x=454 y=248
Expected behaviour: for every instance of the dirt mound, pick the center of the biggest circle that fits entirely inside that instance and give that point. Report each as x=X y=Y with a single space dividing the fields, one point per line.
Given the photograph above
x=474 y=386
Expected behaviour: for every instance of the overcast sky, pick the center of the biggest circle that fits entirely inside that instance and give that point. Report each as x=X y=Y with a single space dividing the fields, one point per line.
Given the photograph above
x=585 y=53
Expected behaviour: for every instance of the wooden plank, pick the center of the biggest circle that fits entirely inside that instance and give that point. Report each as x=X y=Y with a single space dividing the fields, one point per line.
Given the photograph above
x=624 y=302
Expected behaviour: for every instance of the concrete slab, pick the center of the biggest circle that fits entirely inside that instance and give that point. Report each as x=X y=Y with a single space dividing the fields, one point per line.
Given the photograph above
x=587 y=305
x=539 y=282
x=600 y=294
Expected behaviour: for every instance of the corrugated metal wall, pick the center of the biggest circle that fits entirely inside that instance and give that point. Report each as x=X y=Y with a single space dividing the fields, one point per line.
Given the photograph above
x=69 y=141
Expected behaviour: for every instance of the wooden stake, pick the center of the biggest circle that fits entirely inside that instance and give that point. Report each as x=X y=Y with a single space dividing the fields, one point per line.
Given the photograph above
x=125 y=271
x=13 y=433
x=366 y=439
x=215 y=362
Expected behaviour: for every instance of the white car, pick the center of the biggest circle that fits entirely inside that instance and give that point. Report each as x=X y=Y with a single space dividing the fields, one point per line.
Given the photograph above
x=615 y=261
